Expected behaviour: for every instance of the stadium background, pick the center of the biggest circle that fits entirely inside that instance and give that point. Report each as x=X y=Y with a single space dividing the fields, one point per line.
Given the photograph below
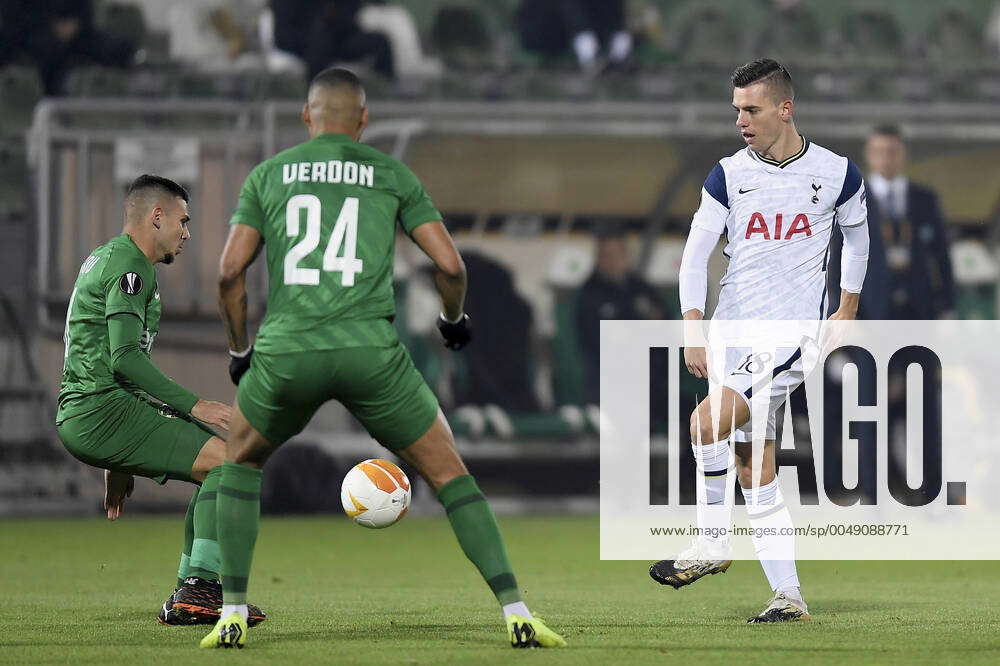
x=528 y=157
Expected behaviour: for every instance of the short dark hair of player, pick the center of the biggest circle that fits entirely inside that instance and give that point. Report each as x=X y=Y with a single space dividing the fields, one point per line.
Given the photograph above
x=337 y=77
x=146 y=183
x=766 y=71
x=888 y=130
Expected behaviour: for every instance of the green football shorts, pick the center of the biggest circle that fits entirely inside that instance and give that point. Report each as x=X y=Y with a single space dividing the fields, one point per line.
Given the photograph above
x=126 y=433
x=379 y=385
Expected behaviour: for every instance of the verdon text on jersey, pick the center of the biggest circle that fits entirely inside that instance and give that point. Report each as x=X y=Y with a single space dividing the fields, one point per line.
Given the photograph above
x=334 y=171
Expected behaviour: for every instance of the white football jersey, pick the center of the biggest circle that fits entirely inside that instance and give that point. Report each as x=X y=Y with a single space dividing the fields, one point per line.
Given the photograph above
x=778 y=219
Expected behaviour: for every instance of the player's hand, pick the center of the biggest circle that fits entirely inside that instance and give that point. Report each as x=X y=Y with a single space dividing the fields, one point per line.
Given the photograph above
x=843 y=315
x=696 y=360
x=239 y=364
x=456 y=335
x=117 y=486
x=213 y=413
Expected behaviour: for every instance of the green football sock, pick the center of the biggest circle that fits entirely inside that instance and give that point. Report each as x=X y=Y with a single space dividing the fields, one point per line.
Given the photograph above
x=478 y=533
x=238 y=513
x=182 y=568
x=205 y=555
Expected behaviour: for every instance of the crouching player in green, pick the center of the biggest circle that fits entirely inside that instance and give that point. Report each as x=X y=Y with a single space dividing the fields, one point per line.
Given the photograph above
x=118 y=412
x=326 y=212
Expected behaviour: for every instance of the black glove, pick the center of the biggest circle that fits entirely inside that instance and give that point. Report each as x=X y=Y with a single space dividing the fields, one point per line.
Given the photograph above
x=238 y=365
x=455 y=335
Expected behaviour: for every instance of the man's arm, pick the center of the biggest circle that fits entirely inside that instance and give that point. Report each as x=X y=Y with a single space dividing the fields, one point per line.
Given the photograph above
x=242 y=247
x=693 y=287
x=851 y=213
x=128 y=361
x=450 y=279
x=449 y=276
x=853 y=266
x=833 y=269
x=707 y=225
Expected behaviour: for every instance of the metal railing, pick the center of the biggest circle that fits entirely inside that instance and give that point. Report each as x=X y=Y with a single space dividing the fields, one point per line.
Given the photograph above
x=73 y=151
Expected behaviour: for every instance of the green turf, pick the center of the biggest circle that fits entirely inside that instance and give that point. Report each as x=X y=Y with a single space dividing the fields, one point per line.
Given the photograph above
x=86 y=591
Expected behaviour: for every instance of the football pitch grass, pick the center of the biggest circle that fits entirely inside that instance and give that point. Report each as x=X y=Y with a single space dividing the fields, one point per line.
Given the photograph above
x=87 y=591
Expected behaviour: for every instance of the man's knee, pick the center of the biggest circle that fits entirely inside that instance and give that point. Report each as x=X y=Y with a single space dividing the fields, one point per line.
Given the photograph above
x=212 y=454
x=252 y=452
x=702 y=431
x=434 y=455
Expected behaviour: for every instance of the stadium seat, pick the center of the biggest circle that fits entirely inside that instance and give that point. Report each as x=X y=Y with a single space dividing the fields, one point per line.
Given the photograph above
x=793 y=36
x=706 y=33
x=954 y=38
x=460 y=35
x=871 y=34
x=125 y=21
x=20 y=91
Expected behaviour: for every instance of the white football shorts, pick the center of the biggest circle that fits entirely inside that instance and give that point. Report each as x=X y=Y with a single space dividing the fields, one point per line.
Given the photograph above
x=763 y=379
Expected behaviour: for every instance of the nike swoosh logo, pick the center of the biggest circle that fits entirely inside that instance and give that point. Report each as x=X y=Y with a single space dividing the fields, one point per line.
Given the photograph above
x=742 y=191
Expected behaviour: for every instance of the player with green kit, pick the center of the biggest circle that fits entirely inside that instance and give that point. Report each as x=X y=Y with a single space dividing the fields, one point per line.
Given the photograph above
x=118 y=412
x=326 y=212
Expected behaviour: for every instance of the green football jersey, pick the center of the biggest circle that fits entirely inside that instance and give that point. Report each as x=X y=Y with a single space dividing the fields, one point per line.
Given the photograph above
x=327 y=212
x=116 y=277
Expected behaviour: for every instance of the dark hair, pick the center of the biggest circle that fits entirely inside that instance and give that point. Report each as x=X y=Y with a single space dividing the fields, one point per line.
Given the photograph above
x=337 y=77
x=147 y=182
x=767 y=71
x=888 y=130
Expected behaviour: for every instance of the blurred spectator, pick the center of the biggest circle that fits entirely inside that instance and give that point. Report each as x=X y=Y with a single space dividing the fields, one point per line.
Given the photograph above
x=909 y=277
x=909 y=266
x=497 y=364
x=212 y=35
x=613 y=291
x=323 y=32
x=57 y=35
x=553 y=28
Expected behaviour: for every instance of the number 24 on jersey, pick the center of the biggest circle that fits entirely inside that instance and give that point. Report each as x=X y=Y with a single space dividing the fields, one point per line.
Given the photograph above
x=344 y=236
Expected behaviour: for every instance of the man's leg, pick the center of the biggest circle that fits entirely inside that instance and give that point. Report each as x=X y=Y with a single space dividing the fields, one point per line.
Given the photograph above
x=198 y=597
x=773 y=534
x=712 y=423
x=167 y=615
x=238 y=521
x=476 y=528
x=182 y=568
x=205 y=558
x=238 y=509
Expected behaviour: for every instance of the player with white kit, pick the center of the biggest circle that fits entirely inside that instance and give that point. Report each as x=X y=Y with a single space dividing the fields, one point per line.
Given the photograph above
x=777 y=201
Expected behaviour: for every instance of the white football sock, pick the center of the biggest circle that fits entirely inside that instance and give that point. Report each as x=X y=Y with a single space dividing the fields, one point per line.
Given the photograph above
x=715 y=512
x=234 y=608
x=768 y=518
x=517 y=608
